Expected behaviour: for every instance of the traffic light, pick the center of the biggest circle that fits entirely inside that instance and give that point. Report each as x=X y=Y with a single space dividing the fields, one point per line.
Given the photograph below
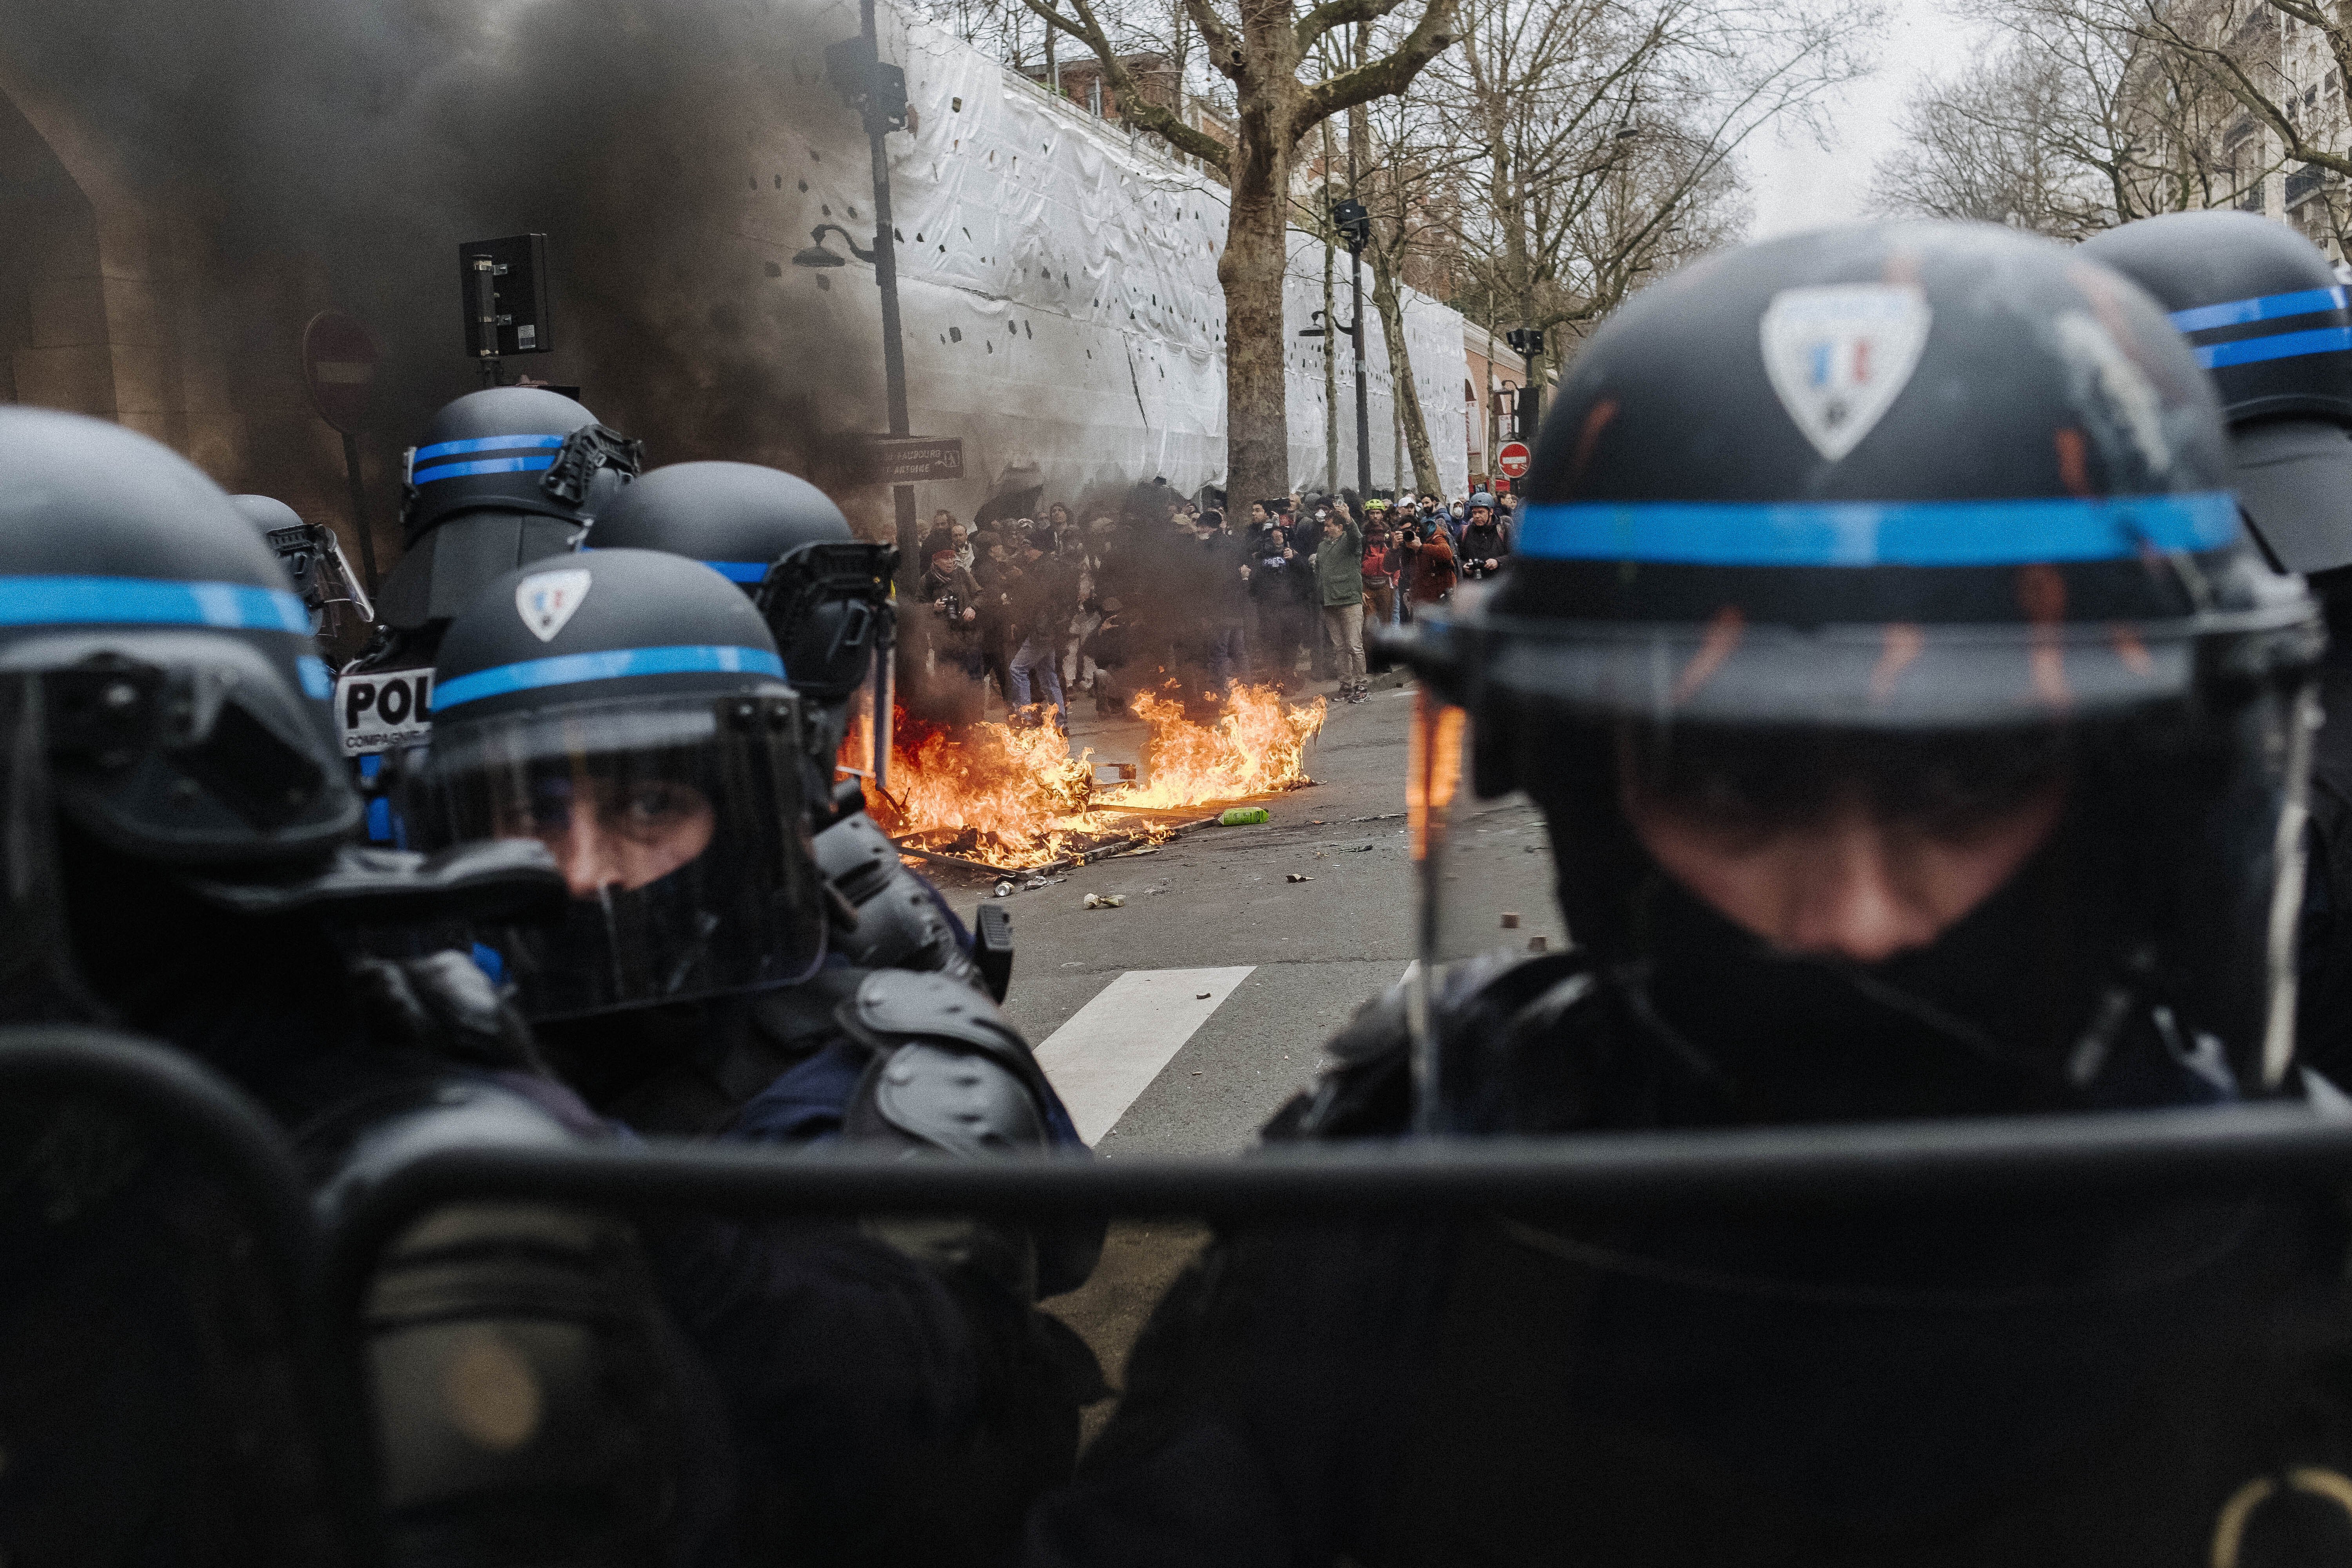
x=1354 y=224
x=870 y=85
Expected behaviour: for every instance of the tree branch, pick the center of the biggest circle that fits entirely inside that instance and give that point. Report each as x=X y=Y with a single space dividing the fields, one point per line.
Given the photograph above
x=1383 y=78
x=1223 y=52
x=1332 y=14
x=1133 y=107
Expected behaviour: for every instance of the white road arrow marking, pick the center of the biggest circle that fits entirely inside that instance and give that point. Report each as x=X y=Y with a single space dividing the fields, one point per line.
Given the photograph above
x=1113 y=1048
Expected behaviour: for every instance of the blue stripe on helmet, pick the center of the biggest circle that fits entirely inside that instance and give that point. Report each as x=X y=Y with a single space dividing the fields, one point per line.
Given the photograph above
x=618 y=664
x=487 y=465
x=1879 y=534
x=2263 y=307
x=487 y=444
x=2282 y=345
x=734 y=571
x=148 y=601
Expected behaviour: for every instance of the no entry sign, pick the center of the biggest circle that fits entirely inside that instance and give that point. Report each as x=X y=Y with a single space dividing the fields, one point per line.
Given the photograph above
x=1513 y=459
x=339 y=366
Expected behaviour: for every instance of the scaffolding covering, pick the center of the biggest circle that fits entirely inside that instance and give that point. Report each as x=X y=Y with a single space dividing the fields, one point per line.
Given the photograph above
x=1059 y=295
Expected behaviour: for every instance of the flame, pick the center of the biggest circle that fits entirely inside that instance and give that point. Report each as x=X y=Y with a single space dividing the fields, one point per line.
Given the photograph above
x=1014 y=797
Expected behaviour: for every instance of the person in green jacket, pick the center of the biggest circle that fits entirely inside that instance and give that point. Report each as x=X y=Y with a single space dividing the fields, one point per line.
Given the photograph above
x=1339 y=574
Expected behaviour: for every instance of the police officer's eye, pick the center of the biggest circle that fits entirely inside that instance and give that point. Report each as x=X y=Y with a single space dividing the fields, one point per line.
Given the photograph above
x=653 y=802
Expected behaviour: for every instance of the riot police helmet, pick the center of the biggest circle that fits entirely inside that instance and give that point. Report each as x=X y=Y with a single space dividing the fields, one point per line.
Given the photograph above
x=826 y=592
x=627 y=710
x=504 y=476
x=2266 y=316
x=154 y=657
x=160 y=694
x=313 y=557
x=1915 y=729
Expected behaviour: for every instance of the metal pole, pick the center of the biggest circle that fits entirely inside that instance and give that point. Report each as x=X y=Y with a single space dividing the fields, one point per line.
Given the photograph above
x=359 y=510
x=885 y=278
x=1363 y=389
x=486 y=316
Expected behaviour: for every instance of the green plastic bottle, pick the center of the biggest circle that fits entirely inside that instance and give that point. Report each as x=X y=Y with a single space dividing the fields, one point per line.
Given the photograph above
x=1243 y=816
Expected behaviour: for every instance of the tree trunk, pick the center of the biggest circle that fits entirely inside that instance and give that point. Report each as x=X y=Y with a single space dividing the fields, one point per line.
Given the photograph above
x=1331 y=333
x=1257 y=434
x=1408 y=396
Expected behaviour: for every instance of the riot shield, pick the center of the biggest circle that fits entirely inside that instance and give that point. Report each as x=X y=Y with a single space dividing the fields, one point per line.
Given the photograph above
x=2046 y=1339
x=161 y=1396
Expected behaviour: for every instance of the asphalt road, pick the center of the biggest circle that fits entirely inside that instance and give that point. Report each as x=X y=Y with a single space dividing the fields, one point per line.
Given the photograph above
x=1177 y=1024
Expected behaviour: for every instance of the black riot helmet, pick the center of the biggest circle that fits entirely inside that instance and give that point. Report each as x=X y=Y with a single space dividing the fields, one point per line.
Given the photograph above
x=313 y=557
x=503 y=477
x=2266 y=316
x=160 y=695
x=1925 y=528
x=825 y=592
x=628 y=708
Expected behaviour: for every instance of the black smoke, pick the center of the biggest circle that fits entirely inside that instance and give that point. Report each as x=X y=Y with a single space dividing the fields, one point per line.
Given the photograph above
x=316 y=153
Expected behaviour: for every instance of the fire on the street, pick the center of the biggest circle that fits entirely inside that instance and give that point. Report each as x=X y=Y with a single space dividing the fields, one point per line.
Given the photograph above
x=1015 y=796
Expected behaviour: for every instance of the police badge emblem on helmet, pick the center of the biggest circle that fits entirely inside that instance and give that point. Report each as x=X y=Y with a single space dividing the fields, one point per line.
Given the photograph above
x=1838 y=356
x=546 y=600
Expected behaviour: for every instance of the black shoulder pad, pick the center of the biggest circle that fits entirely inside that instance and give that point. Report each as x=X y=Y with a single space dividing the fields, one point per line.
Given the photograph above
x=900 y=923
x=893 y=1006
x=958 y=1102
x=1367 y=1091
x=855 y=856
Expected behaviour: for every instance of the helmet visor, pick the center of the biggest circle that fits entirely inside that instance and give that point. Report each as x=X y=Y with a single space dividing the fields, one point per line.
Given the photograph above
x=678 y=826
x=38 y=980
x=1793 y=923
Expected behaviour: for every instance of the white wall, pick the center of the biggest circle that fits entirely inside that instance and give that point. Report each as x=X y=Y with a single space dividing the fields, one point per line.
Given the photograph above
x=1057 y=281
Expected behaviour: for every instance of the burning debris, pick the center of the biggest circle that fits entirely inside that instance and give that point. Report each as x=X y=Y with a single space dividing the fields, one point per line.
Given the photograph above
x=1002 y=796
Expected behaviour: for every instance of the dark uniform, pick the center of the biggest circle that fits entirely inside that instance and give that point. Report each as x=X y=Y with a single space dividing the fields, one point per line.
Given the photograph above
x=1924 y=526
x=893 y=1395
x=179 y=864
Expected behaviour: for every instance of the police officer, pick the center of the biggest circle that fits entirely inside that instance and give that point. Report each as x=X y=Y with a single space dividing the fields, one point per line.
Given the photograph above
x=1914 y=724
x=504 y=476
x=628 y=710
x=825 y=594
x=2266 y=315
x=178 y=863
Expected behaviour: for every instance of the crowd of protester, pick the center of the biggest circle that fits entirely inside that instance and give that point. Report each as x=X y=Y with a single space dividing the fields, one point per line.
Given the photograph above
x=1046 y=609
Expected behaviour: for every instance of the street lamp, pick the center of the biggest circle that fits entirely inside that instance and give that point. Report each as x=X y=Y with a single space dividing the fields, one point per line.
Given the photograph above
x=877 y=91
x=1355 y=226
x=1528 y=342
x=816 y=255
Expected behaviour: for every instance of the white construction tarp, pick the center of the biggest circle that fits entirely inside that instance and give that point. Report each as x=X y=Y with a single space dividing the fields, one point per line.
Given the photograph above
x=1058 y=289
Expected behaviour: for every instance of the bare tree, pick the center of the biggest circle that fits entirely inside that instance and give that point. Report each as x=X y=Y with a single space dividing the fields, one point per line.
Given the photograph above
x=1265 y=51
x=1603 y=132
x=1407 y=164
x=2081 y=119
x=2242 y=47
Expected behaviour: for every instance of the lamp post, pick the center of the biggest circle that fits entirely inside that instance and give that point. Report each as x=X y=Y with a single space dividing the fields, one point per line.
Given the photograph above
x=1355 y=226
x=877 y=91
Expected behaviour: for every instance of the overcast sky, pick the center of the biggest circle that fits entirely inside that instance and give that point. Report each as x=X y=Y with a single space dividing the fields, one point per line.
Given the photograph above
x=1797 y=184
